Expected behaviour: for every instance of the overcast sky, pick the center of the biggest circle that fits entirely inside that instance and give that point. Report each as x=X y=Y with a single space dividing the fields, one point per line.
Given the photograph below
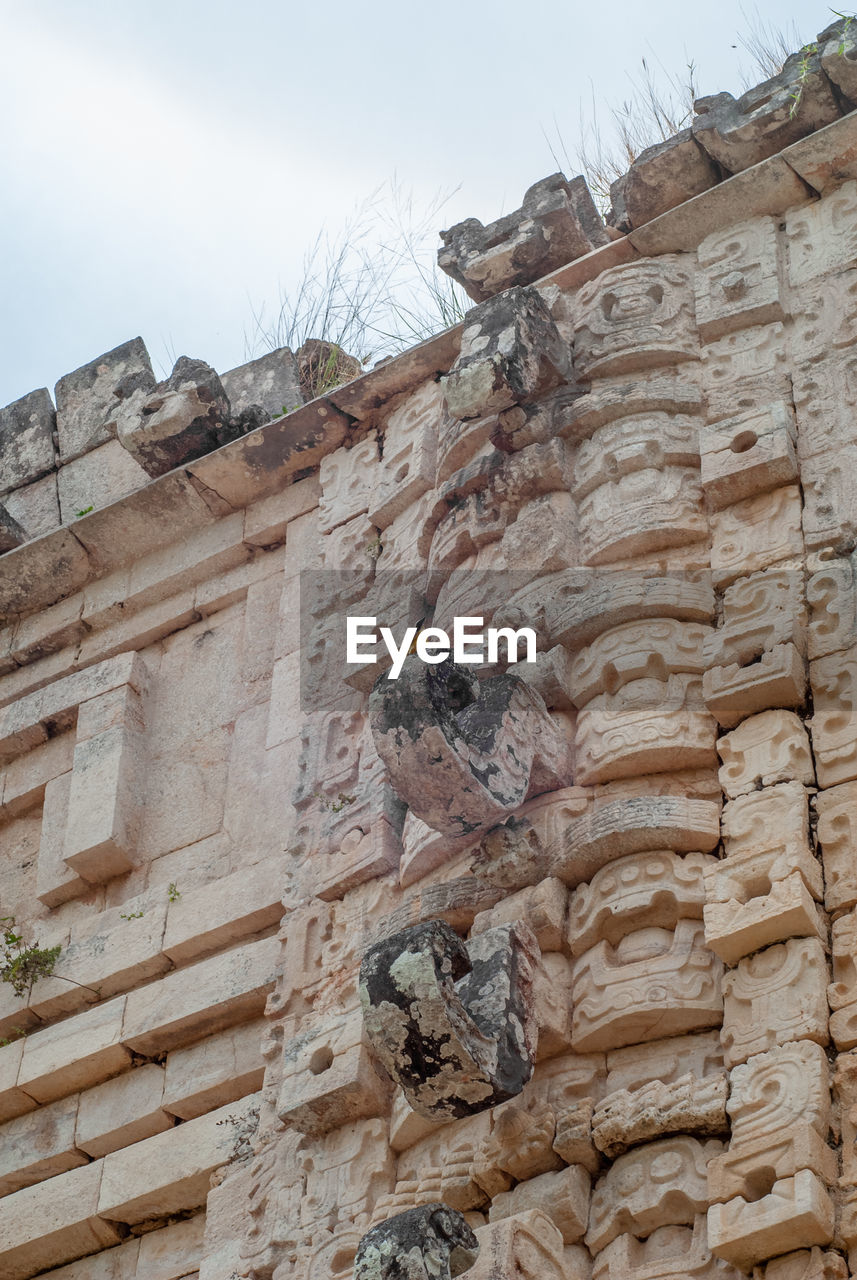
x=166 y=163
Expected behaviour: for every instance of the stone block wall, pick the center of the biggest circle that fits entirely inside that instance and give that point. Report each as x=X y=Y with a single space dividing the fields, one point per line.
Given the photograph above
x=646 y=455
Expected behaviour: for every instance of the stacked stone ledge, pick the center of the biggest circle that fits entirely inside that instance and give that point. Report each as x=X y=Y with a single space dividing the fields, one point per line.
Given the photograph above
x=657 y=470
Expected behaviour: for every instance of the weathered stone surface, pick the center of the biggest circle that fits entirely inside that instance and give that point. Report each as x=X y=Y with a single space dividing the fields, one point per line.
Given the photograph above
x=511 y=351
x=557 y=222
x=26 y=439
x=669 y=1253
x=526 y=1246
x=182 y=417
x=495 y=741
x=53 y=1222
x=452 y=1024
x=432 y=1242
x=748 y=454
x=660 y=178
x=271 y=382
x=122 y=1111
x=686 y=1105
x=89 y=400
x=777 y=995
x=739 y=133
x=797 y=1212
x=563 y=1195
x=766 y=748
x=11 y=533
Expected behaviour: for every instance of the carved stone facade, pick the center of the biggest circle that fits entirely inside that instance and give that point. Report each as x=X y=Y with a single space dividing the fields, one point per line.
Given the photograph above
x=541 y=971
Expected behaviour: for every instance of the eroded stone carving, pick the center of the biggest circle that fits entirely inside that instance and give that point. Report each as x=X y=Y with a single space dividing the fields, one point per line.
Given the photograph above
x=777 y=995
x=452 y=1023
x=687 y=1105
x=464 y=753
x=635 y=317
x=432 y=1242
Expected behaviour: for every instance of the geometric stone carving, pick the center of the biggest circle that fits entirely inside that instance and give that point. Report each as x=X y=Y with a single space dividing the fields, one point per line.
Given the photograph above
x=347 y=478
x=748 y=454
x=842 y=992
x=462 y=752
x=766 y=748
x=634 y=443
x=834 y=722
x=805 y=1264
x=745 y=370
x=664 y=1061
x=635 y=317
x=520 y=1146
x=557 y=222
x=797 y=1212
x=410 y=445
x=635 y=892
x=777 y=995
x=563 y=1195
x=648 y=510
x=432 y=1242
x=738 y=282
x=756 y=532
x=452 y=1023
x=648 y=726
x=832 y=597
x=653 y=983
x=655 y=648
x=760 y=612
x=656 y=1185
x=821 y=235
x=511 y=351
x=688 y=1105
x=780 y=1110
x=837 y=837
x=527 y=1246
x=670 y=1253
x=777 y=678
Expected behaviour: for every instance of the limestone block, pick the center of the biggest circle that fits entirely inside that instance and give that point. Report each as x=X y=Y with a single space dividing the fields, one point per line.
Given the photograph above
x=654 y=649
x=831 y=593
x=35 y=506
x=748 y=454
x=834 y=722
x=686 y=1105
x=821 y=392
x=11 y=533
x=646 y=511
x=56 y=882
x=777 y=678
x=271 y=381
x=543 y=539
x=174 y=1251
x=543 y=908
x=105 y=798
x=122 y=1111
x=775 y=996
x=348 y=477
x=739 y=133
x=95 y=479
x=660 y=178
x=670 y=1253
x=119 y=1263
x=760 y=612
x=767 y=748
x=511 y=351
x=26 y=439
x=53 y=1222
x=746 y=370
x=447 y=710
x=836 y=810
x=821 y=236
x=87 y=403
x=75 y=1054
x=797 y=1212
x=410 y=455
x=634 y=317
x=13 y=1101
x=563 y=1196
x=773 y=823
x=170 y=1172
x=39 y=1145
x=175 y=421
x=830 y=506
x=664 y=1061
x=433 y=1239
x=824 y=325
x=657 y=1185
x=520 y=1146
x=452 y=1023
x=441 y=1168
x=836 y=48
x=328 y=1077
x=739 y=278
x=226 y=911
x=557 y=222
x=201 y=999
x=649 y=726
x=637 y=892
x=552 y=1005
x=842 y=992
x=635 y=443
x=655 y=982
x=217 y=1070
x=525 y=1247
x=756 y=533
x=253 y=1217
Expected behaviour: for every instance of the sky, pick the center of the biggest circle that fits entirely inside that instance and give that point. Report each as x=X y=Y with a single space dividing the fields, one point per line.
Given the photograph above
x=167 y=165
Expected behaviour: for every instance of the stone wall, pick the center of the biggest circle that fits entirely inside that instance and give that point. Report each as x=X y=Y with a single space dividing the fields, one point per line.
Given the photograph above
x=626 y=878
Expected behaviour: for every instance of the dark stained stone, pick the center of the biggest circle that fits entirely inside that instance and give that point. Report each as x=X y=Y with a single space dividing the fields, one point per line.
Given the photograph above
x=432 y=1242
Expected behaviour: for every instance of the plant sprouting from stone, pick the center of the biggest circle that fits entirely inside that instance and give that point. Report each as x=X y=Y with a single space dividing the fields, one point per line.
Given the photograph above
x=334 y=806
x=173 y=893
x=131 y=915
x=22 y=963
